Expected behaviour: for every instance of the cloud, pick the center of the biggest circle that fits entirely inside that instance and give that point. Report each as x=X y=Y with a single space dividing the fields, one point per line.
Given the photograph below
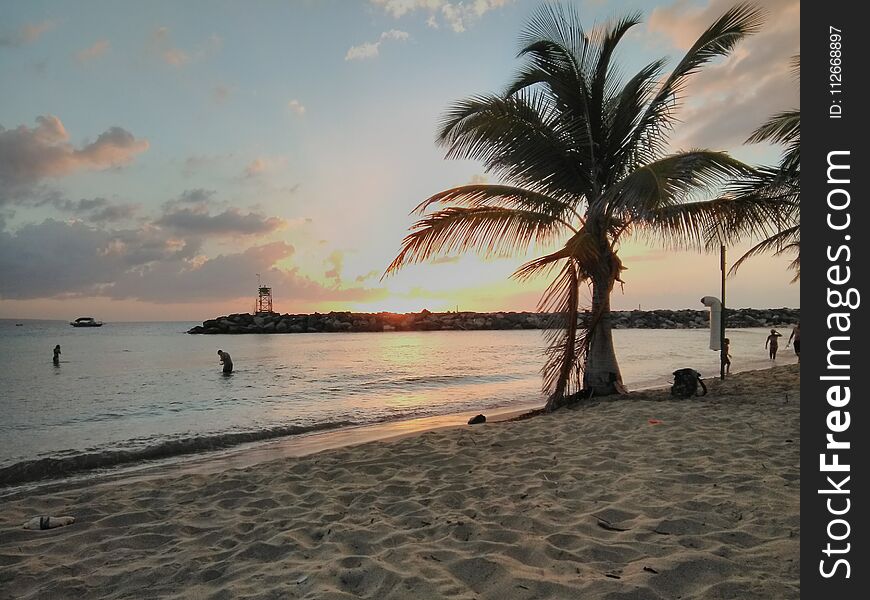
x=195 y=164
x=95 y=210
x=372 y=49
x=220 y=93
x=445 y=260
x=296 y=107
x=336 y=259
x=75 y=260
x=196 y=196
x=370 y=275
x=227 y=277
x=262 y=164
x=112 y=213
x=197 y=221
x=98 y=49
x=727 y=100
x=257 y=166
x=458 y=15
x=163 y=46
x=26 y=34
x=28 y=155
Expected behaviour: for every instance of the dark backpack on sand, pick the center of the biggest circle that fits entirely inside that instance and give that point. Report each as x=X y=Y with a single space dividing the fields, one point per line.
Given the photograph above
x=686 y=382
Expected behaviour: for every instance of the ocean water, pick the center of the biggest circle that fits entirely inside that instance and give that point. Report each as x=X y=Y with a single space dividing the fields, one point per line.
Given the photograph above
x=131 y=391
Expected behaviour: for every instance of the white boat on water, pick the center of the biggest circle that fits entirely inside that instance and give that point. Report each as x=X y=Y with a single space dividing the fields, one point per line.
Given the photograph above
x=86 y=322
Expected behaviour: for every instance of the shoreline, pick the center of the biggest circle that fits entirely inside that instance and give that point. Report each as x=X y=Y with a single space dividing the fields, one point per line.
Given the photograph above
x=203 y=449
x=249 y=454
x=644 y=497
x=320 y=436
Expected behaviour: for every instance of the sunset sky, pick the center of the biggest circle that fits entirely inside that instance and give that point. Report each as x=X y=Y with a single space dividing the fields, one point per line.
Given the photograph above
x=155 y=156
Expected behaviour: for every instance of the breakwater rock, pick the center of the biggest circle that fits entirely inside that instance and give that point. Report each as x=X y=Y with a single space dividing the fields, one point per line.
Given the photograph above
x=429 y=321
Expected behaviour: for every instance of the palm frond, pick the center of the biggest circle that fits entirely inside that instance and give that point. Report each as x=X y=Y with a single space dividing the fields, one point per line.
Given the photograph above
x=622 y=116
x=787 y=240
x=704 y=225
x=670 y=182
x=603 y=81
x=582 y=248
x=751 y=217
x=540 y=266
x=782 y=128
x=489 y=230
x=562 y=370
x=516 y=138
x=719 y=39
x=479 y=195
x=776 y=190
x=560 y=33
x=559 y=56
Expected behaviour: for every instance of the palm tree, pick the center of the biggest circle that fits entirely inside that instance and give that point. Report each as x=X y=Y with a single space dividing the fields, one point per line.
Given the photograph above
x=775 y=190
x=583 y=154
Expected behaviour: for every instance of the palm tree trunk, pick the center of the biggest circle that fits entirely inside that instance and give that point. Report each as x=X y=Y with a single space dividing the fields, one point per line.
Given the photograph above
x=601 y=374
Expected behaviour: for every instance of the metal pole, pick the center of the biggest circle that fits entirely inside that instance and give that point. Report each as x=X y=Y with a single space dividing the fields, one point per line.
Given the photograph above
x=722 y=356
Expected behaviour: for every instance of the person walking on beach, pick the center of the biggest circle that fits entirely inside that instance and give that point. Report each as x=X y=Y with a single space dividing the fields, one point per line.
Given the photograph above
x=226 y=361
x=796 y=335
x=773 y=342
x=56 y=359
x=727 y=354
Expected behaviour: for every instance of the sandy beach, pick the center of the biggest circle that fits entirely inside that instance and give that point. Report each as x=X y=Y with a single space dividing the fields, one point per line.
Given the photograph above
x=647 y=497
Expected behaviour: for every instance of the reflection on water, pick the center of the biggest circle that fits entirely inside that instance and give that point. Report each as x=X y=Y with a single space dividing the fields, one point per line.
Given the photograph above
x=126 y=386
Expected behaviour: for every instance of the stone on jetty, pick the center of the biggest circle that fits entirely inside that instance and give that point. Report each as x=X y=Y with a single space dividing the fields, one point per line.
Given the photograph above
x=336 y=322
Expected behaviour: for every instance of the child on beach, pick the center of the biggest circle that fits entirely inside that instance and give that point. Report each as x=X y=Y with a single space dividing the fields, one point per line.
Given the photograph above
x=56 y=359
x=773 y=343
x=726 y=349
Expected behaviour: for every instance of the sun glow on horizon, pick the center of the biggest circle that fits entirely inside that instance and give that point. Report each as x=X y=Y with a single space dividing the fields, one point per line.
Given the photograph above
x=240 y=157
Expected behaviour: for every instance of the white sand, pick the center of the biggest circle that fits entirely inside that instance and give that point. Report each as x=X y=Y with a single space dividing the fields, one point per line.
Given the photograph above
x=594 y=502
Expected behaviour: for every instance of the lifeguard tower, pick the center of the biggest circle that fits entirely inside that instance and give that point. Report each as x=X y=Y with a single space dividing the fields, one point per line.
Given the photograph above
x=264 y=298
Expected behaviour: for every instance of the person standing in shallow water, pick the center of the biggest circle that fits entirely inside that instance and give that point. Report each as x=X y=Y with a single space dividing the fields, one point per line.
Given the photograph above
x=56 y=359
x=226 y=361
x=796 y=335
x=773 y=343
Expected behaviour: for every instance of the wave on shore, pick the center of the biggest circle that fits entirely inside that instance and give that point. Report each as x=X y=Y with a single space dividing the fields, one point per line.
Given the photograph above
x=53 y=468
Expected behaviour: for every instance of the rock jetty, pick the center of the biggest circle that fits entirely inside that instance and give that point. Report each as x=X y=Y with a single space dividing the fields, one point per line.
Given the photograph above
x=429 y=321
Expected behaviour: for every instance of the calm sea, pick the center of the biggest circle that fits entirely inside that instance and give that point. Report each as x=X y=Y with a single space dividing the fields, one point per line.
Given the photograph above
x=132 y=391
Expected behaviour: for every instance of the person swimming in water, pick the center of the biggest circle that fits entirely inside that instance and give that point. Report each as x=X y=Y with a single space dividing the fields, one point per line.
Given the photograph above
x=226 y=361
x=56 y=359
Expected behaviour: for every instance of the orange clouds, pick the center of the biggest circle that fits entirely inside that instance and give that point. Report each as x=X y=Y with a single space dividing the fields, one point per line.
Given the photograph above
x=95 y=51
x=263 y=164
x=26 y=34
x=728 y=100
x=163 y=46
